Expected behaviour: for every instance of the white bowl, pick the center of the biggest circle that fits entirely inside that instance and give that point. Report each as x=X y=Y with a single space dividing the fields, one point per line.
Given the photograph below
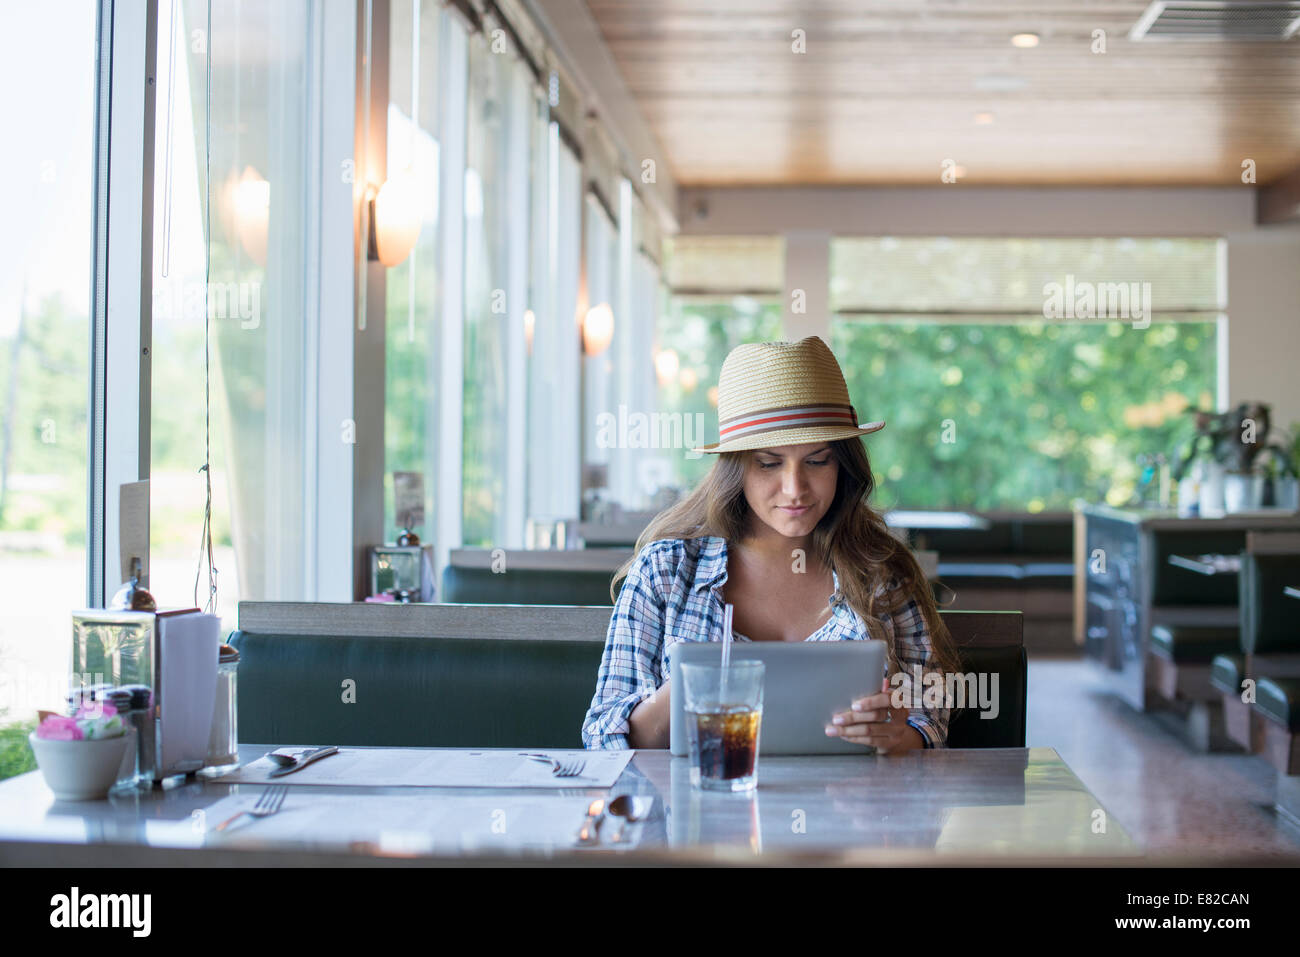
x=79 y=770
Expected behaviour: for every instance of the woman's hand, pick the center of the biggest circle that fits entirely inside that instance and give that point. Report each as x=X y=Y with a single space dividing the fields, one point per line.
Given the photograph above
x=649 y=723
x=874 y=721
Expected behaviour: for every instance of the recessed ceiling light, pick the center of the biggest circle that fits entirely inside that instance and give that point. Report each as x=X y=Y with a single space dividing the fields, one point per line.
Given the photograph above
x=1025 y=40
x=983 y=119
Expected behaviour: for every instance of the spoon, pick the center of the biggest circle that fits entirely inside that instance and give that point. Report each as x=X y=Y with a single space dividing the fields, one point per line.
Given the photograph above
x=289 y=760
x=629 y=810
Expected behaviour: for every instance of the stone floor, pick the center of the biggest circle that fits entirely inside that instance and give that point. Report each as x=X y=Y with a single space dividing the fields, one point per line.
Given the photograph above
x=1170 y=799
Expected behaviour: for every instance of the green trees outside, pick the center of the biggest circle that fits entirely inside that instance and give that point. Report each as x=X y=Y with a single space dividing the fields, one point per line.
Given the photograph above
x=700 y=333
x=1022 y=417
x=988 y=403
x=44 y=395
x=983 y=415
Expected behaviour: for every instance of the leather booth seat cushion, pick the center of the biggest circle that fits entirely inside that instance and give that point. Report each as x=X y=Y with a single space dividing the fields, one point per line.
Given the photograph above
x=1005 y=537
x=995 y=540
x=490 y=692
x=1188 y=643
x=525 y=586
x=1046 y=538
x=994 y=572
x=1172 y=585
x=1270 y=620
x=1227 y=672
x=415 y=692
x=1007 y=730
x=1004 y=573
x=1279 y=699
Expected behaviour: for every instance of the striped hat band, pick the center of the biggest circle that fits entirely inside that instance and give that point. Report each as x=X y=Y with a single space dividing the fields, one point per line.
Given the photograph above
x=773 y=420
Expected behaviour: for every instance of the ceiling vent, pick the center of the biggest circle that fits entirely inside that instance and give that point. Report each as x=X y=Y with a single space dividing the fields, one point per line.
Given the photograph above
x=1201 y=22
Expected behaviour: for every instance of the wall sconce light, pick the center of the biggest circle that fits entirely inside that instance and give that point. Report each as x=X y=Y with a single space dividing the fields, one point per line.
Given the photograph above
x=244 y=208
x=530 y=321
x=666 y=365
x=598 y=329
x=395 y=218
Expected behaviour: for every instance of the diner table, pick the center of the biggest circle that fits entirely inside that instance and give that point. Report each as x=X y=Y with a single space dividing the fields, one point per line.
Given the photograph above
x=935 y=520
x=1208 y=564
x=934 y=806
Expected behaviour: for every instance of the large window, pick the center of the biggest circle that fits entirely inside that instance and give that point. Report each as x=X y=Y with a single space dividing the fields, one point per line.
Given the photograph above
x=242 y=342
x=1023 y=373
x=45 y=284
x=625 y=461
x=551 y=330
x=251 y=376
x=499 y=136
x=414 y=159
x=723 y=291
x=639 y=474
x=695 y=335
x=602 y=326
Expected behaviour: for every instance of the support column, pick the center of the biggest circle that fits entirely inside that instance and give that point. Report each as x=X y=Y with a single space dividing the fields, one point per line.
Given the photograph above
x=806 y=311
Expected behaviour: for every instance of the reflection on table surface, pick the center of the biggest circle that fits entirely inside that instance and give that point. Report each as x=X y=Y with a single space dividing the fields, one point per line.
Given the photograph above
x=1013 y=801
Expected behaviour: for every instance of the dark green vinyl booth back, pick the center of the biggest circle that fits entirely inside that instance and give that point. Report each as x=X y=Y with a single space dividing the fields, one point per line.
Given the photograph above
x=466 y=688
x=526 y=586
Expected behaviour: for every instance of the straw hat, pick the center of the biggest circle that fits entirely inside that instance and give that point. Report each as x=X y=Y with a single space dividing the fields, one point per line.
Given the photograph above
x=783 y=393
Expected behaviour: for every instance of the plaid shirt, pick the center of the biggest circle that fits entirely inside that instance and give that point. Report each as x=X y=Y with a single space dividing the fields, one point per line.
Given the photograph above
x=673 y=592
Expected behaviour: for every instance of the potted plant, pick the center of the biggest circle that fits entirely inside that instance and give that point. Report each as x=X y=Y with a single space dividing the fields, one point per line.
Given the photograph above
x=1284 y=471
x=1235 y=475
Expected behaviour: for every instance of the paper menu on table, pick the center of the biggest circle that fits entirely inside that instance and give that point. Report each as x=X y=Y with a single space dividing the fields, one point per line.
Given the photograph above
x=410 y=821
x=446 y=768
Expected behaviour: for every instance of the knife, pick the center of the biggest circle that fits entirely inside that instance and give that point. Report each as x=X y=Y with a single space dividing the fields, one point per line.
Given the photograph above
x=304 y=759
x=589 y=832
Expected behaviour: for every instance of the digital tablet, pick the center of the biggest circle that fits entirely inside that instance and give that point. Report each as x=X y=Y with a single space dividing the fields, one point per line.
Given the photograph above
x=804 y=683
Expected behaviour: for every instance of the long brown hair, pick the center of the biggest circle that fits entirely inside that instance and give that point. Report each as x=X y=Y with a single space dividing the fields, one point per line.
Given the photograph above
x=878 y=573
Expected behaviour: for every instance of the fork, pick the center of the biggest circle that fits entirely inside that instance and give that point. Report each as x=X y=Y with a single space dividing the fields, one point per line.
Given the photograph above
x=569 y=768
x=266 y=805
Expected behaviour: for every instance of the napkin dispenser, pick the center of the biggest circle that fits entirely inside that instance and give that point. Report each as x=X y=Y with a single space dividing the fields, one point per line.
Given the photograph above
x=175 y=654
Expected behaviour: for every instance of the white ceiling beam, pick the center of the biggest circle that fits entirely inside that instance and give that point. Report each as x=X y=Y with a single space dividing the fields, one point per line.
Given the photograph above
x=956 y=210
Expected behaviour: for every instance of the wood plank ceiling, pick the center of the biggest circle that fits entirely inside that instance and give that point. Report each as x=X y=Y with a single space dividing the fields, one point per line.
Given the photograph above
x=887 y=91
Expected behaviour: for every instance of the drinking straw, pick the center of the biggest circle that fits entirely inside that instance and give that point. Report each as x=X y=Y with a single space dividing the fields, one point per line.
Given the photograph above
x=726 y=649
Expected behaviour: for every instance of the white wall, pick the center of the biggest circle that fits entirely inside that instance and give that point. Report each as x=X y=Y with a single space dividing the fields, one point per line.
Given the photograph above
x=1264 y=320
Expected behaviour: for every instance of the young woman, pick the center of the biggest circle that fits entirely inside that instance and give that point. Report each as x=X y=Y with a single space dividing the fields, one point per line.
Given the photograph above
x=780 y=528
